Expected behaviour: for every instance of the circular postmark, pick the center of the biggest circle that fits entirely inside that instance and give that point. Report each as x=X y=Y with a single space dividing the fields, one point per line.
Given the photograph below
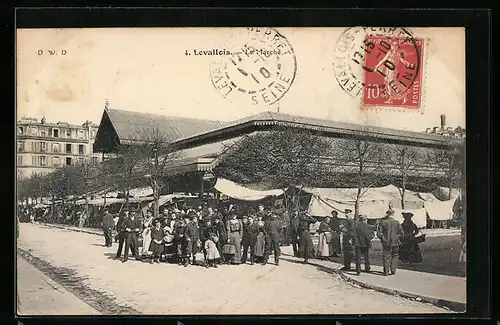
x=381 y=65
x=259 y=70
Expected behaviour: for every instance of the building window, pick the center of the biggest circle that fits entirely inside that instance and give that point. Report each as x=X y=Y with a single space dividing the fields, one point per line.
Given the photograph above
x=43 y=161
x=34 y=130
x=55 y=161
x=33 y=161
x=20 y=130
x=55 y=133
x=43 y=146
x=43 y=132
x=81 y=149
x=19 y=160
x=68 y=161
x=80 y=134
x=93 y=134
x=68 y=148
x=80 y=160
x=55 y=147
x=68 y=134
x=94 y=160
x=20 y=146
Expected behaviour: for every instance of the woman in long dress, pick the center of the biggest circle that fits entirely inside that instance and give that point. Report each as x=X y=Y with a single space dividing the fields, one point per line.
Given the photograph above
x=323 y=249
x=409 y=252
x=260 y=244
x=146 y=233
x=235 y=229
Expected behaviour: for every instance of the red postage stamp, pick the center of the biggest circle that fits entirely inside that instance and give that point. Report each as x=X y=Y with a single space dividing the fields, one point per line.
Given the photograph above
x=393 y=72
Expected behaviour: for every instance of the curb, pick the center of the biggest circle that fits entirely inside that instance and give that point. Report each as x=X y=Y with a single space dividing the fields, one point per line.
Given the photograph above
x=71 y=229
x=452 y=305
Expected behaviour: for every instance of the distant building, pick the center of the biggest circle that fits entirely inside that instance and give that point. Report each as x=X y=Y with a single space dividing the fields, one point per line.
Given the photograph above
x=42 y=146
x=444 y=130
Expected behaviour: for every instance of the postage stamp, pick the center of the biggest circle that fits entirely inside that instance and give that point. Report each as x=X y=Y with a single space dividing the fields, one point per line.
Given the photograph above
x=259 y=69
x=382 y=66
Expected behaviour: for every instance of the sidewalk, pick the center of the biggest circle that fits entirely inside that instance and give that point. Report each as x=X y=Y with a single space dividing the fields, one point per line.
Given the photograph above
x=439 y=290
x=39 y=295
x=93 y=231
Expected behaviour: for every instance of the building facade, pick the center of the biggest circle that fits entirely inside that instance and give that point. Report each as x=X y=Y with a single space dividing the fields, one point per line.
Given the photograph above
x=42 y=146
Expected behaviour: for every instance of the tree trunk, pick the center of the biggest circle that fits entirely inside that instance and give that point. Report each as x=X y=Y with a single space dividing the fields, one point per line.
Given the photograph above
x=127 y=194
x=356 y=203
x=156 y=198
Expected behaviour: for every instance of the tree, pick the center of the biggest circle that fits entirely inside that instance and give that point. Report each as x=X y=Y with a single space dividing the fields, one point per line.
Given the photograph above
x=280 y=158
x=156 y=156
x=451 y=160
x=406 y=167
x=363 y=165
x=124 y=168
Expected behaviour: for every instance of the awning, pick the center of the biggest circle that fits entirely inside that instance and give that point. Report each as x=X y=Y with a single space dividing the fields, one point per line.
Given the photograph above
x=238 y=192
x=322 y=207
x=166 y=199
x=142 y=191
x=440 y=210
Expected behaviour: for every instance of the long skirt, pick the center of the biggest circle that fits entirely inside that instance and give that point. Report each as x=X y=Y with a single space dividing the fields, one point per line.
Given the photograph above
x=211 y=249
x=323 y=249
x=155 y=248
x=410 y=252
x=146 y=241
x=235 y=239
x=335 y=244
x=260 y=245
x=306 y=246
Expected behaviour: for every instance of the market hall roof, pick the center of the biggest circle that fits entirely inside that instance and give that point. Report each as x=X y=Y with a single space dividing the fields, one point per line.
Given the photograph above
x=326 y=127
x=123 y=127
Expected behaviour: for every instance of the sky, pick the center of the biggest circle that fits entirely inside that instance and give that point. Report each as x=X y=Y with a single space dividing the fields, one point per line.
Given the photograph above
x=147 y=70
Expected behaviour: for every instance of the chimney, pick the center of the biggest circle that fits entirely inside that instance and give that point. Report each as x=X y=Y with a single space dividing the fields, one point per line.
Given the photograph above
x=443 y=121
x=43 y=120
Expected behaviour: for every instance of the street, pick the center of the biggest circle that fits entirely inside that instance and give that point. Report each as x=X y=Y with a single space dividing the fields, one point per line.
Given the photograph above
x=79 y=262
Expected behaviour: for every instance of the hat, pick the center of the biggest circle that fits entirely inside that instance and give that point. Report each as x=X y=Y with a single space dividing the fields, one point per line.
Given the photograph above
x=125 y=210
x=334 y=211
x=407 y=214
x=362 y=217
x=390 y=212
x=347 y=210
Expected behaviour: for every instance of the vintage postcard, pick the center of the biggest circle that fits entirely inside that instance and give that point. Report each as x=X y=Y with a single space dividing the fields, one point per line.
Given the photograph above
x=250 y=171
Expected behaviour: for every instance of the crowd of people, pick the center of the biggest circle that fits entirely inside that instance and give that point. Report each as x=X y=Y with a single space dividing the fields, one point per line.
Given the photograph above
x=234 y=237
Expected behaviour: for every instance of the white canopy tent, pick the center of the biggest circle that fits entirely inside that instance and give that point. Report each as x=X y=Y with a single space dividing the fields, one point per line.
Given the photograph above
x=239 y=192
x=376 y=201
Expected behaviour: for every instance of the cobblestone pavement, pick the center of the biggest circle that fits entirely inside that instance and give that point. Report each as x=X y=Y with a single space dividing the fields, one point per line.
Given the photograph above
x=291 y=288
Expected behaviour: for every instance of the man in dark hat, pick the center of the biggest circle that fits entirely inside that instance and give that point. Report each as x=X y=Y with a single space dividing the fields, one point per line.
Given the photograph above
x=348 y=234
x=107 y=227
x=122 y=234
x=180 y=244
x=132 y=226
x=362 y=243
x=390 y=232
x=192 y=237
x=295 y=231
x=273 y=231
